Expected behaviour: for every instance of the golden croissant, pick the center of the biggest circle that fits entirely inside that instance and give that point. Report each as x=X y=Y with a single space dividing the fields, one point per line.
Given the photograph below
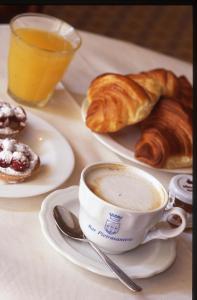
x=116 y=101
x=166 y=140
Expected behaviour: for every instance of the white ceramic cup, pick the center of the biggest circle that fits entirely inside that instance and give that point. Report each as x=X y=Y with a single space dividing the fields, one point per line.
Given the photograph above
x=130 y=228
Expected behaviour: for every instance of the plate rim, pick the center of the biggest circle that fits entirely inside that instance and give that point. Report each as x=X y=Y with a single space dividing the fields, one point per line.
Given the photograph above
x=31 y=192
x=103 y=139
x=100 y=271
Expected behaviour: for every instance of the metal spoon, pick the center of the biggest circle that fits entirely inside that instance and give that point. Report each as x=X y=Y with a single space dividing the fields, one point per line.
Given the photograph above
x=68 y=224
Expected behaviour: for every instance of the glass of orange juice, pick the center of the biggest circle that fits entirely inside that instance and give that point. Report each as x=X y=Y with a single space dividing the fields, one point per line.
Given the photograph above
x=41 y=48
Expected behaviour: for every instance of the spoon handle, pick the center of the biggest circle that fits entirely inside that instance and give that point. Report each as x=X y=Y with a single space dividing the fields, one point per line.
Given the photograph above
x=124 y=278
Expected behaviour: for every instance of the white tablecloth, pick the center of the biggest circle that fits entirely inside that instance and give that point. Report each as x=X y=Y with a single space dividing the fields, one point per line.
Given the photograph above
x=29 y=267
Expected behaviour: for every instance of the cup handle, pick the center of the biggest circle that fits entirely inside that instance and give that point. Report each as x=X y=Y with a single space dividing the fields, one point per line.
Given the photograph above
x=167 y=233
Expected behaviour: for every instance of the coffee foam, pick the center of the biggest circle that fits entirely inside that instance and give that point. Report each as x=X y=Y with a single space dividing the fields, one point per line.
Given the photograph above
x=118 y=185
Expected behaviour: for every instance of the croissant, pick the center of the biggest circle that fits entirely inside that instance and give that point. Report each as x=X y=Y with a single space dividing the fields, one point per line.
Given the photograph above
x=185 y=96
x=166 y=140
x=116 y=101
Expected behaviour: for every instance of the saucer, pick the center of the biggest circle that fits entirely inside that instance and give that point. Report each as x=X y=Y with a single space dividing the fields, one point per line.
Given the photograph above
x=56 y=157
x=142 y=262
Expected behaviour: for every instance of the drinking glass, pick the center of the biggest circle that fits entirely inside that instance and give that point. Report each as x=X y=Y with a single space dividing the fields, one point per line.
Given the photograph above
x=41 y=49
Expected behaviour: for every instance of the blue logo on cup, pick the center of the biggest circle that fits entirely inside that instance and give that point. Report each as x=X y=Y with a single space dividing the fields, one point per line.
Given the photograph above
x=112 y=224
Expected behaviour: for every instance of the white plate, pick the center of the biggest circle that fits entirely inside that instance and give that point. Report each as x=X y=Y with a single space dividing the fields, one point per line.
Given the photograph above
x=123 y=143
x=145 y=261
x=56 y=156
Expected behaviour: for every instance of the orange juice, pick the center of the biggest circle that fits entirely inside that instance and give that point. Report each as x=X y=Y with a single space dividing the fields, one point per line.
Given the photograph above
x=37 y=61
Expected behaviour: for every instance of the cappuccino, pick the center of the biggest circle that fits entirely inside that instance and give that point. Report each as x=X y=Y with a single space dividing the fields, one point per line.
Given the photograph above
x=122 y=187
x=121 y=204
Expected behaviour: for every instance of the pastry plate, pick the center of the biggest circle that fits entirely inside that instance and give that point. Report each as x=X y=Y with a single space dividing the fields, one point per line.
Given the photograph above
x=144 y=261
x=56 y=156
x=123 y=143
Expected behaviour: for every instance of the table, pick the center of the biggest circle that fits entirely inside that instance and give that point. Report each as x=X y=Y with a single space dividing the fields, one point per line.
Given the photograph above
x=29 y=267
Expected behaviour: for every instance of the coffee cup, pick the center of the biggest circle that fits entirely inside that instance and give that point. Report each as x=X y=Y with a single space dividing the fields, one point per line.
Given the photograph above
x=122 y=207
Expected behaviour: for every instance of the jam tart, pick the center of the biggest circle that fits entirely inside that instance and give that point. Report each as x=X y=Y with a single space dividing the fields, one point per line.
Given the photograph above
x=12 y=119
x=17 y=161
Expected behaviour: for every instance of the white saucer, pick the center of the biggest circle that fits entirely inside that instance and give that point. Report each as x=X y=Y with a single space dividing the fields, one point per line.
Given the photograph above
x=144 y=261
x=56 y=156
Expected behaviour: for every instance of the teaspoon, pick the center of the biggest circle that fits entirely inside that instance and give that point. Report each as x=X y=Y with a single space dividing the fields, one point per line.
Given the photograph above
x=68 y=224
